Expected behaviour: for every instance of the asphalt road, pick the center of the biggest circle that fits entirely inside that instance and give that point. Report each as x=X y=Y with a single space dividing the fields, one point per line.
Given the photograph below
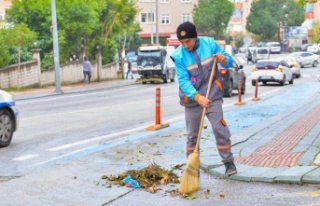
x=63 y=136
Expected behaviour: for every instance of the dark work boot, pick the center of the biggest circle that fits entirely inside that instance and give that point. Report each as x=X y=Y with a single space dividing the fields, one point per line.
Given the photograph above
x=230 y=168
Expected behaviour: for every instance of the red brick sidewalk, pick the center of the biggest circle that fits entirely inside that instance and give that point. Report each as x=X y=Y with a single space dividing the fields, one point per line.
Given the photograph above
x=277 y=152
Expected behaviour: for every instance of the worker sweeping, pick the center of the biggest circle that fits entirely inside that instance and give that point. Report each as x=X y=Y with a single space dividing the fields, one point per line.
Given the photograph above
x=194 y=61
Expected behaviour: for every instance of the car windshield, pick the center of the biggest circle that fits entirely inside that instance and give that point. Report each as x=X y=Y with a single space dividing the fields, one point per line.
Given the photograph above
x=269 y=64
x=262 y=51
x=275 y=44
x=289 y=60
x=149 y=58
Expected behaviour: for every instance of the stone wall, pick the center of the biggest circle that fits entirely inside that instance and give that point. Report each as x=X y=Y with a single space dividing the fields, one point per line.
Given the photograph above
x=29 y=73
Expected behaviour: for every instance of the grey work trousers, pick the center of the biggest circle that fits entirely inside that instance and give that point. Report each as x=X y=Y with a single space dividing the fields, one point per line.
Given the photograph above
x=221 y=131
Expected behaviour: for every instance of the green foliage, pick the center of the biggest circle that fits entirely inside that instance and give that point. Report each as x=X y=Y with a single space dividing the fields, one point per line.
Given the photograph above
x=266 y=15
x=316 y=33
x=5 y=55
x=212 y=16
x=16 y=42
x=304 y=2
x=25 y=55
x=82 y=26
x=47 y=61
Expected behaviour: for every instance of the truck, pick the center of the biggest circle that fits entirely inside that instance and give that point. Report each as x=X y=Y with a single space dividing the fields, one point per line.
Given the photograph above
x=152 y=65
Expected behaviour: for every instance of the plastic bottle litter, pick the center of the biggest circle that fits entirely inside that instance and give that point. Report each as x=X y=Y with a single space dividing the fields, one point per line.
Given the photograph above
x=131 y=182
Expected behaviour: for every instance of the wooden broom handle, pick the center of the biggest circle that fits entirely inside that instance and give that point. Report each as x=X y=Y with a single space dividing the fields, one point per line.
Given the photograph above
x=207 y=96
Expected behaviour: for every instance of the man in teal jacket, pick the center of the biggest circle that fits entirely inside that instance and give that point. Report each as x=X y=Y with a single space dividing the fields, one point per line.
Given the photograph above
x=193 y=60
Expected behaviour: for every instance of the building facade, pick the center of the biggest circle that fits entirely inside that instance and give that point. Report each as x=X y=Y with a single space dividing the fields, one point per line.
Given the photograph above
x=170 y=14
x=4 y=6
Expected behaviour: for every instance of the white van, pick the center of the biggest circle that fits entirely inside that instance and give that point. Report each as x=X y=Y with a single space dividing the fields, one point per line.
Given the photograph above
x=274 y=47
x=259 y=53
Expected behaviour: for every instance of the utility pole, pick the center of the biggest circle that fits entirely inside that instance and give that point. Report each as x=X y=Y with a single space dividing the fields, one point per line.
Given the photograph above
x=157 y=21
x=55 y=48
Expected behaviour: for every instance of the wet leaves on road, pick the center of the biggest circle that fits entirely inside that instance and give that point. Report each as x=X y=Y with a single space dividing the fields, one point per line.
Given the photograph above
x=148 y=177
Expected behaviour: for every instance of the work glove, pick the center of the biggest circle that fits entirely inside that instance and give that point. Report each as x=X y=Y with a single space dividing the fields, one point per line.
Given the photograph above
x=202 y=100
x=221 y=58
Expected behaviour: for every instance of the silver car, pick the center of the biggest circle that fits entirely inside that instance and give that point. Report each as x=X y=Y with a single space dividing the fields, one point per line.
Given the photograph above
x=306 y=58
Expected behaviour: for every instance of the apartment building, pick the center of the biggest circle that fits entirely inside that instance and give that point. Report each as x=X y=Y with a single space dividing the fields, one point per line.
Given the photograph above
x=4 y=6
x=170 y=14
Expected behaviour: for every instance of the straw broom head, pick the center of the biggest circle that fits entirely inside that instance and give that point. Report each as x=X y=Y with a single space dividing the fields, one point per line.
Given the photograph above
x=190 y=178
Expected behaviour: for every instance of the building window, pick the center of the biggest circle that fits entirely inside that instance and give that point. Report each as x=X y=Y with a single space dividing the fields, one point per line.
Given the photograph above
x=186 y=1
x=165 y=19
x=164 y=1
x=147 y=17
x=186 y=17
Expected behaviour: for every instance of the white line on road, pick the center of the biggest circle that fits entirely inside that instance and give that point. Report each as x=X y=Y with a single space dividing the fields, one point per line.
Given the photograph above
x=25 y=157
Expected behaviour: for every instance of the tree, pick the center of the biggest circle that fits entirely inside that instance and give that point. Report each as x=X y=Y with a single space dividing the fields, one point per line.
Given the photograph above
x=82 y=25
x=304 y=2
x=4 y=49
x=266 y=17
x=20 y=36
x=212 y=16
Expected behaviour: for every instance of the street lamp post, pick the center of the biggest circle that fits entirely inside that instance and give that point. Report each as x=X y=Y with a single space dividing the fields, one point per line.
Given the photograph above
x=98 y=63
x=55 y=48
x=157 y=22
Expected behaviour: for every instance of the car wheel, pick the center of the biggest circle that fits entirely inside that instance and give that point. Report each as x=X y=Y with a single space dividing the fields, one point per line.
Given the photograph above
x=283 y=80
x=301 y=65
x=228 y=91
x=6 y=128
x=315 y=63
x=164 y=78
x=264 y=83
x=292 y=79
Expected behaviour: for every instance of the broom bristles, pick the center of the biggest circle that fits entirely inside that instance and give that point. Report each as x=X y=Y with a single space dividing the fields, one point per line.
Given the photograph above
x=190 y=178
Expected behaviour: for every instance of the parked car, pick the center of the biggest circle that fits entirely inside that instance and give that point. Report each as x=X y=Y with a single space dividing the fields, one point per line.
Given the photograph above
x=306 y=58
x=272 y=70
x=8 y=118
x=293 y=64
x=232 y=76
x=314 y=48
x=274 y=47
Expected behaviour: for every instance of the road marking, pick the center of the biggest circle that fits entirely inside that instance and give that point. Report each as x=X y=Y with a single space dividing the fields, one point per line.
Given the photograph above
x=109 y=136
x=25 y=157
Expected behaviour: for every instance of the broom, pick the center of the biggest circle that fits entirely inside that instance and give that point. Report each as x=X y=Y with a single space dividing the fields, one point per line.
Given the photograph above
x=190 y=178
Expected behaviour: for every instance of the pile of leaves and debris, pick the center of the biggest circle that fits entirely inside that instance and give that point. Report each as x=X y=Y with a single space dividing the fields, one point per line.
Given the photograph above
x=148 y=178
